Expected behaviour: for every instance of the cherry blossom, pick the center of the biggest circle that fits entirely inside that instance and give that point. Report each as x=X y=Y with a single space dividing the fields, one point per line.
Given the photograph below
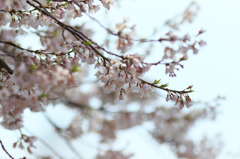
x=69 y=58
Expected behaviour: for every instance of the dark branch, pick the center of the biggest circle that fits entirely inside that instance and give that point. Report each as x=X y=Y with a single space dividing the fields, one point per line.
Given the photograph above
x=80 y=36
x=5 y=150
x=166 y=89
x=4 y=65
x=19 y=47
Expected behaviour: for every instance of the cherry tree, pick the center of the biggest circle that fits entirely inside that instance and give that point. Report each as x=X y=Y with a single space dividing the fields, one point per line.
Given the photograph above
x=69 y=58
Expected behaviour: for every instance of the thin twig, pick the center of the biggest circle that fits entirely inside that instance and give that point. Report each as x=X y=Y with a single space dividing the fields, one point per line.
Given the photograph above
x=19 y=47
x=58 y=130
x=166 y=89
x=45 y=143
x=5 y=150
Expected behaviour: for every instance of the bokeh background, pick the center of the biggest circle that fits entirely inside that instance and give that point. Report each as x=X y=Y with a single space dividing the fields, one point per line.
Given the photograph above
x=214 y=71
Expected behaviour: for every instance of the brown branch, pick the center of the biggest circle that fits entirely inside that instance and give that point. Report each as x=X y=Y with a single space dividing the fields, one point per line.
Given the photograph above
x=32 y=51
x=110 y=31
x=75 y=33
x=4 y=65
x=166 y=89
x=118 y=34
x=5 y=150
x=78 y=35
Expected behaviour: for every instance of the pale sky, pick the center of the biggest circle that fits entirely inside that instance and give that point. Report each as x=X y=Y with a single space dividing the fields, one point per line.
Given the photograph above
x=214 y=71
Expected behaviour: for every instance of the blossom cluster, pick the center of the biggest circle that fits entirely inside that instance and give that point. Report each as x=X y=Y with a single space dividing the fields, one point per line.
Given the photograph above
x=32 y=79
x=123 y=77
x=40 y=75
x=20 y=13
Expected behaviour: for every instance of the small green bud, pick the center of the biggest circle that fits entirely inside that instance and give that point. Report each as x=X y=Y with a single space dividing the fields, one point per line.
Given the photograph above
x=143 y=40
x=75 y=68
x=164 y=85
x=55 y=33
x=43 y=95
x=87 y=43
x=65 y=4
x=156 y=81
x=33 y=67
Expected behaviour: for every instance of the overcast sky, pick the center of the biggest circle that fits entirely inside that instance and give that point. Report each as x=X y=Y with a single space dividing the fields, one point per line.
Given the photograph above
x=214 y=71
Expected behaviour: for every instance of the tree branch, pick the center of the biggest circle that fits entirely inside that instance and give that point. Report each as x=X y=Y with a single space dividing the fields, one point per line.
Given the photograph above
x=4 y=65
x=80 y=36
x=32 y=51
x=59 y=130
x=5 y=150
x=166 y=89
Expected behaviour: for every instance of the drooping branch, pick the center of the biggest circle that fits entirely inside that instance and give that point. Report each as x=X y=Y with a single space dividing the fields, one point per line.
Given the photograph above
x=80 y=36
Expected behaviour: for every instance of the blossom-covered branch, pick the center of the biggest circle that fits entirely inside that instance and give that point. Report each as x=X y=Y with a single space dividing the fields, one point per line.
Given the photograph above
x=81 y=37
x=68 y=56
